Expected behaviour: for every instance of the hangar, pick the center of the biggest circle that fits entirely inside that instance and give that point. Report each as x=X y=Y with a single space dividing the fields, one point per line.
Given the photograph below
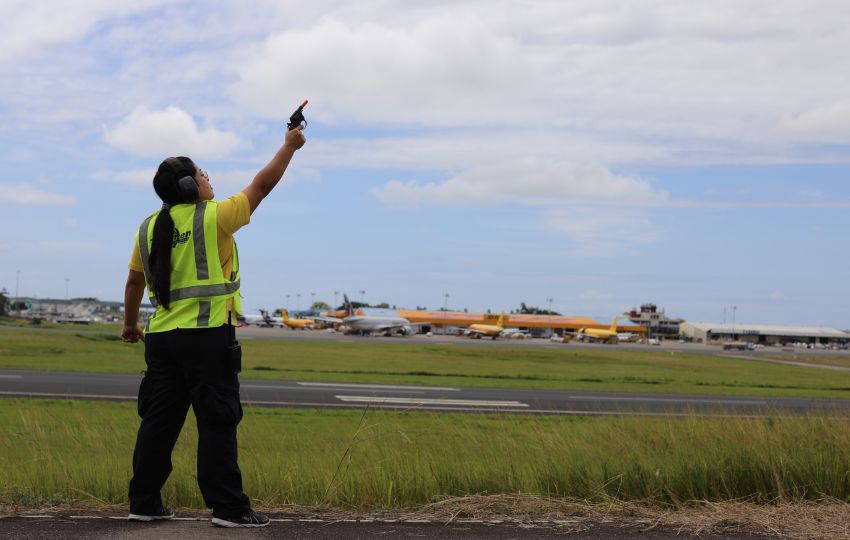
x=763 y=334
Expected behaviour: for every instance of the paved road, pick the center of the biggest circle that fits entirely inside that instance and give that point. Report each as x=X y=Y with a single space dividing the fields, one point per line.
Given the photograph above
x=268 y=393
x=116 y=528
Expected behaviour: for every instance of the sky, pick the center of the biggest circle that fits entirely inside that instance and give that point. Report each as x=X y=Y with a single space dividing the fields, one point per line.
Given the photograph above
x=601 y=154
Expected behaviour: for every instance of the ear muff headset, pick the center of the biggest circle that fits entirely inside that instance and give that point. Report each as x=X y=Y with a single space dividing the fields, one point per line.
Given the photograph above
x=188 y=188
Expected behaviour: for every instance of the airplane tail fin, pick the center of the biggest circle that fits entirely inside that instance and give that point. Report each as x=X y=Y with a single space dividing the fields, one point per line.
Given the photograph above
x=349 y=310
x=501 y=322
x=284 y=314
x=614 y=326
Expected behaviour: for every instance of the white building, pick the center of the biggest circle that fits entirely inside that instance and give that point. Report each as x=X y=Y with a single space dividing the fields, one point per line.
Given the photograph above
x=75 y=310
x=764 y=334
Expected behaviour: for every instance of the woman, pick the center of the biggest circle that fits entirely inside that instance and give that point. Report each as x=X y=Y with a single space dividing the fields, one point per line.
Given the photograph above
x=186 y=256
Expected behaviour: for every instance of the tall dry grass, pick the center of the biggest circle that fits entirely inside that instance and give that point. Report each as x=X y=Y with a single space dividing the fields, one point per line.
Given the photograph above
x=60 y=451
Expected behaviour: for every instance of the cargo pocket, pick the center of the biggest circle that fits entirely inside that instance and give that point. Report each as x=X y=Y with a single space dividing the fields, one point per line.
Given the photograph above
x=143 y=399
x=219 y=406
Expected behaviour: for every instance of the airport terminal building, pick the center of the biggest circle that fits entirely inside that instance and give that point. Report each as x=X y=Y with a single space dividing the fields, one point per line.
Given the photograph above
x=75 y=310
x=764 y=335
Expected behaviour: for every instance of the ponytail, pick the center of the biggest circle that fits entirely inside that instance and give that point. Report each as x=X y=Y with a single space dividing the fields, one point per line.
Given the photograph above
x=160 y=258
x=165 y=185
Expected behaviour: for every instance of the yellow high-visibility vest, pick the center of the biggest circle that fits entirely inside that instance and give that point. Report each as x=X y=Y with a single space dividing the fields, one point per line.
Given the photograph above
x=199 y=289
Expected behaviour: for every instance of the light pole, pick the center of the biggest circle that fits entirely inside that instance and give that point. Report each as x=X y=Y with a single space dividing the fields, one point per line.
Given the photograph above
x=17 y=300
x=734 y=311
x=312 y=299
x=550 y=300
x=445 y=309
x=298 y=304
x=362 y=293
x=335 y=295
x=551 y=331
x=287 y=302
x=67 y=280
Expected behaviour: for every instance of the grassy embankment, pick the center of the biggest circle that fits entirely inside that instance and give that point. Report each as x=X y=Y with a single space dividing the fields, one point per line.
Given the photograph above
x=66 y=327
x=603 y=369
x=60 y=451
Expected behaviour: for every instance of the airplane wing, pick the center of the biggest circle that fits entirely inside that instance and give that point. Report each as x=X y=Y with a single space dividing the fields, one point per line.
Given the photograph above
x=327 y=320
x=386 y=327
x=405 y=328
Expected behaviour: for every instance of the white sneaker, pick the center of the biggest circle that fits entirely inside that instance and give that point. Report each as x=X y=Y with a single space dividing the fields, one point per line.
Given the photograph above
x=164 y=513
x=251 y=519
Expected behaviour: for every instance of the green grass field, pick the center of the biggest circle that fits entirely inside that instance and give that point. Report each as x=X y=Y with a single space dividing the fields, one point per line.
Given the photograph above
x=58 y=451
x=114 y=328
x=605 y=369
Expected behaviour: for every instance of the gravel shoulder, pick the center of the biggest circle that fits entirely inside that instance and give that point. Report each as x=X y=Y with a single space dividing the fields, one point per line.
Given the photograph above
x=493 y=517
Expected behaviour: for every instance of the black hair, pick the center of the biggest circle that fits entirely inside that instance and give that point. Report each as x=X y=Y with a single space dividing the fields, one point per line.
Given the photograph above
x=165 y=185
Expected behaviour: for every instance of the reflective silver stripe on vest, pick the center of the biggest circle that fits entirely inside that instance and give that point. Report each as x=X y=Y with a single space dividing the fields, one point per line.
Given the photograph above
x=143 y=248
x=201 y=291
x=200 y=244
x=204 y=308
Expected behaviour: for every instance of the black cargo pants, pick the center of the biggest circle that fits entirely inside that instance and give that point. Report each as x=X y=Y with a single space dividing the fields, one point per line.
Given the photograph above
x=188 y=367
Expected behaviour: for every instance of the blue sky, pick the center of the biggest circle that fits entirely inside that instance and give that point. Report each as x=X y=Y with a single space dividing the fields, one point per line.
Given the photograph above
x=602 y=154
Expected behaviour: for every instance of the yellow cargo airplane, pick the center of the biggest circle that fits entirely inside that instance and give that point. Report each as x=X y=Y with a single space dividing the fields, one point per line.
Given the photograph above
x=478 y=331
x=593 y=334
x=297 y=324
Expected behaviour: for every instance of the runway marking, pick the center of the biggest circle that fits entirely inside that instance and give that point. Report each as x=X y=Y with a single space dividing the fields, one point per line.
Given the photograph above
x=378 y=386
x=673 y=400
x=65 y=395
x=11 y=376
x=425 y=401
x=353 y=389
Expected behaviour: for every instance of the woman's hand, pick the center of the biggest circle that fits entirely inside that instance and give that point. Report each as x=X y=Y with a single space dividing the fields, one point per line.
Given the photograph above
x=294 y=138
x=132 y=334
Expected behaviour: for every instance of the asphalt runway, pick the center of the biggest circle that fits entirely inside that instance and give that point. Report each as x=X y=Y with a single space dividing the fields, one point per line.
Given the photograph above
x=327 y=395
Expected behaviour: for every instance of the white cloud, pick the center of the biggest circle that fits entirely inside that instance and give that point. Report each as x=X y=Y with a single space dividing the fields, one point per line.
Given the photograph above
x=664 y=74
x=135 y=177
x=169 y=132
x=379 y=72
x=827 y=124
x=71 y=222
x=26 y=27
x=455 y=150
x=601 y=232
x=720 y=82
x=525 y=182
x=27 y=194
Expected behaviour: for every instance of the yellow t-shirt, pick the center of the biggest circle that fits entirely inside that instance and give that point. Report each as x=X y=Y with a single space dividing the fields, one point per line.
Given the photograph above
x=232 y=214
